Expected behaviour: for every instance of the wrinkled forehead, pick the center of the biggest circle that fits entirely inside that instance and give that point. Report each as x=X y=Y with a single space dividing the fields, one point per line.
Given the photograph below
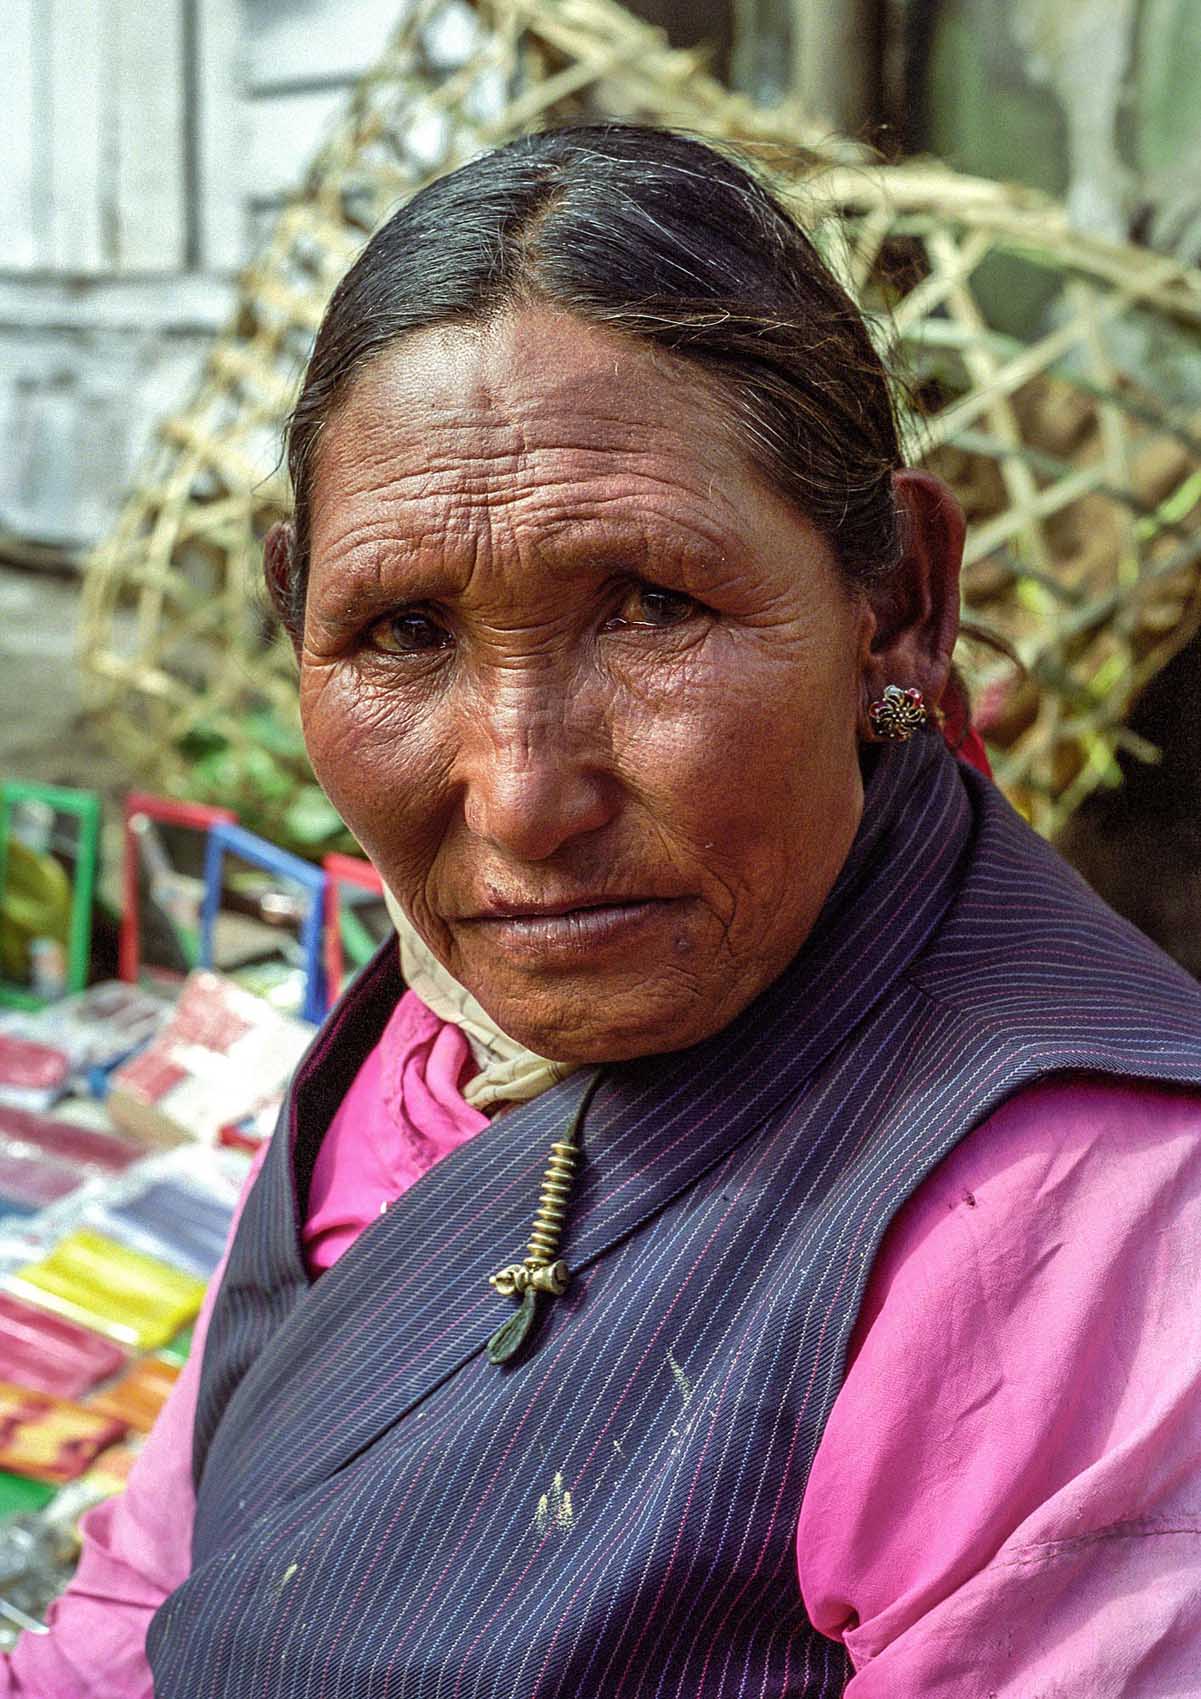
x=536 y=400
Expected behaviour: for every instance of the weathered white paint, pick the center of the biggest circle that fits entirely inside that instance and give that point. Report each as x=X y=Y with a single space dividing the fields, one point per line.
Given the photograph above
x=77 y=409
x=18 y=136
x=77 y=44
x=291 y=42
x=284 y=132
x=157 y=305
x=221 y=179
x=149 y=119
x=144 y=147
x=146 y=135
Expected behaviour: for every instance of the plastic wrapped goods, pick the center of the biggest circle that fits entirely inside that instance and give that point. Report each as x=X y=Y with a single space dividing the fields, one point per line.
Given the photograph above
x=32 y=1076
x=98 y=1027
x=139 y=1395
x=184 y=1225
x=110 y=1472
x=33 y=1180
x=50 y=1354
x=133 y=1299
x=49 y=1439
x=87 y=1148
x=222 y=1055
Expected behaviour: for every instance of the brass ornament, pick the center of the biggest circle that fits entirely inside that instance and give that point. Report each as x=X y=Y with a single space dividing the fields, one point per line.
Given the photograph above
x=542 y=1273
x=540 y=1269
x=519 y=1277
x=897 y=714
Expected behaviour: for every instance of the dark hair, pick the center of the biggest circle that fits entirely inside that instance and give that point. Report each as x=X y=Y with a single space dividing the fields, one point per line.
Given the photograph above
x=662 y=238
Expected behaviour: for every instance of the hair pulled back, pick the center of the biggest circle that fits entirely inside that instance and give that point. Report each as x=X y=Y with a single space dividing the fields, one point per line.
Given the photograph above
x=661 y=238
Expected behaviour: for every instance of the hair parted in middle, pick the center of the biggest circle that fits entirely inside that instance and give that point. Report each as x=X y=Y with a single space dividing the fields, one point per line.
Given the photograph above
x=659 y=237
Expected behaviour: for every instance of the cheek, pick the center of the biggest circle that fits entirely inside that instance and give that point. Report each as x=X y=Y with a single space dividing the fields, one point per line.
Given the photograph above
x=755 y=748
x=375 y=754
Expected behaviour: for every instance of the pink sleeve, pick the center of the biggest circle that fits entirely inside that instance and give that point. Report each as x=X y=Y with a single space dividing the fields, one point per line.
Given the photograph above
x=1007 y=1497
x=137 y=1548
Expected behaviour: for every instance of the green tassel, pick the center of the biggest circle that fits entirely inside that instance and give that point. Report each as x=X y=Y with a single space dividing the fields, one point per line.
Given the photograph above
x=507 y=1341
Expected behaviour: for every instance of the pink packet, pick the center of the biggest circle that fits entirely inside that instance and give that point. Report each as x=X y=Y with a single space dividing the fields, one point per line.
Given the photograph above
x=31 y=1075
x=67 y=1143
x=51 y=1354
x=34 y=1180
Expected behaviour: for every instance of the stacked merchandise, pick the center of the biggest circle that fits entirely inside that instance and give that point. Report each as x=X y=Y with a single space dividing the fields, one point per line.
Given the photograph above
x=126 y=1116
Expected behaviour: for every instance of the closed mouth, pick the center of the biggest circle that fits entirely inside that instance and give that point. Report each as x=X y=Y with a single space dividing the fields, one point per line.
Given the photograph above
x=560 y=910
x=574 y=932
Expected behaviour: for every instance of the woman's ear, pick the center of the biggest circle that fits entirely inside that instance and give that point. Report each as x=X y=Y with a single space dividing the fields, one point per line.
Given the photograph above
x=279 y=572
x=915 y=615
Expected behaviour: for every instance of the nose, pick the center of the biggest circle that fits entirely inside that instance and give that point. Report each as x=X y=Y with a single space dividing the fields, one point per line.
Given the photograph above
x=534 y=773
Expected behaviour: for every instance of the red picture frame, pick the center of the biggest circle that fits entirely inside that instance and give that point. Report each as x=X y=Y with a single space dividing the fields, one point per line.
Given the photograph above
x=344 y=870
x=200 y=816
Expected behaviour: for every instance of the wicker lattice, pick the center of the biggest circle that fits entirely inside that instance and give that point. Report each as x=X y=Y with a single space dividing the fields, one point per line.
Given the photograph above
x=1081 y=484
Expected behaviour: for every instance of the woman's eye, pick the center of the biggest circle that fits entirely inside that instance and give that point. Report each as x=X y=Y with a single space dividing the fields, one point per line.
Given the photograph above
x=409 y=634
x=650 y=605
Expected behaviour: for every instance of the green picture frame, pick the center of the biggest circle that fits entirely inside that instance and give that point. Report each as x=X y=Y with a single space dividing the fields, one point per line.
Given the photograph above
x=83 y=807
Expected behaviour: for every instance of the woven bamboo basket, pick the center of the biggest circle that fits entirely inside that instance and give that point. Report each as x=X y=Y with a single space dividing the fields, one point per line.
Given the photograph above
x=1080 y=478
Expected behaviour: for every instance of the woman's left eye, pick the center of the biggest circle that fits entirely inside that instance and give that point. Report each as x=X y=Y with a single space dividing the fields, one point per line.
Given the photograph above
x=651 y=605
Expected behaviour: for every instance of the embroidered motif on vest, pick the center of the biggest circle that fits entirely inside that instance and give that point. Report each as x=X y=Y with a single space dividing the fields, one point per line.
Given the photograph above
x=381 y=1512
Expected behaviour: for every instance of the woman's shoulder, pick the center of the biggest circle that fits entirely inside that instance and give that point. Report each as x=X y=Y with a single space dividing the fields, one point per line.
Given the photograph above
x=1072 y=1166
x=1068 y=1145
x=1075 y=1125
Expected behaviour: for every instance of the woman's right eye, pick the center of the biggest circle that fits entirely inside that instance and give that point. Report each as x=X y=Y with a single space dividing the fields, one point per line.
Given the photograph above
x=409 y=633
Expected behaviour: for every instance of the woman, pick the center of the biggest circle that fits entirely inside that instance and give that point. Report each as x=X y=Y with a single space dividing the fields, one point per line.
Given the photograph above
x=855 y=1345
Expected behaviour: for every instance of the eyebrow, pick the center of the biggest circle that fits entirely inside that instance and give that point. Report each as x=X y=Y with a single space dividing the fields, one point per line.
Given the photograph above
x=381 y=573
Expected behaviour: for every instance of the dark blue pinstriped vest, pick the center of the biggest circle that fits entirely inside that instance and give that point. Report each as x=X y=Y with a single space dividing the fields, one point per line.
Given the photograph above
x=382 y=1514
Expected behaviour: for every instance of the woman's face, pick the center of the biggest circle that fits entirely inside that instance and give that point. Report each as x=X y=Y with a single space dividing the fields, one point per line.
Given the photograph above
x=586 y=689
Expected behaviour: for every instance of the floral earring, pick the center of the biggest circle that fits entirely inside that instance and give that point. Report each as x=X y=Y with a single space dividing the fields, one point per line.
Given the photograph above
x=897 y=714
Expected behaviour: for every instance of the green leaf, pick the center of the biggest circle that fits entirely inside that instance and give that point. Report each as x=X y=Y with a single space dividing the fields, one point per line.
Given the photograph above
x=507 y=1341
x=311 y=817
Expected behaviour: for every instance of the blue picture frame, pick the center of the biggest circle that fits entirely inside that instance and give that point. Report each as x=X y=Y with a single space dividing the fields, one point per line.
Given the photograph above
x=226 y=840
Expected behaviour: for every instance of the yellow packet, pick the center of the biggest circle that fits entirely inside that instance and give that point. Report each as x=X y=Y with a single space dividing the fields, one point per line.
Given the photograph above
x=124 y=1294
x=50 y=1439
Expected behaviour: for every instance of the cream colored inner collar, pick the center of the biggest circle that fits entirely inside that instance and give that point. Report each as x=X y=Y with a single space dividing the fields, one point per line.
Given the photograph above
x=509 y=1073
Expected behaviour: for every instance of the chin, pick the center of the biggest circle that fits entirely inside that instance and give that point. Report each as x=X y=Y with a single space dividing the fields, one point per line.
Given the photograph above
x=573 y=1034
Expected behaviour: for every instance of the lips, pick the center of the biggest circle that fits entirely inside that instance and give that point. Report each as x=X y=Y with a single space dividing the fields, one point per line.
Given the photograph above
x=567 y=932
x=550 y=910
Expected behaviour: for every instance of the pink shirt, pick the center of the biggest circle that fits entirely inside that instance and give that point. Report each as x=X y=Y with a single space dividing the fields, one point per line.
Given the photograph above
x=1006 y=1502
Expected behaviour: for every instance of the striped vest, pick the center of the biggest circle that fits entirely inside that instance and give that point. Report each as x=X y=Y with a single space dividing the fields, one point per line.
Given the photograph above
x=383 y=1514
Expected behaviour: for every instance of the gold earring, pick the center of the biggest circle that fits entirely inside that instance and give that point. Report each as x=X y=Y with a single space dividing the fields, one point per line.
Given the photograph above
x=896 y=715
